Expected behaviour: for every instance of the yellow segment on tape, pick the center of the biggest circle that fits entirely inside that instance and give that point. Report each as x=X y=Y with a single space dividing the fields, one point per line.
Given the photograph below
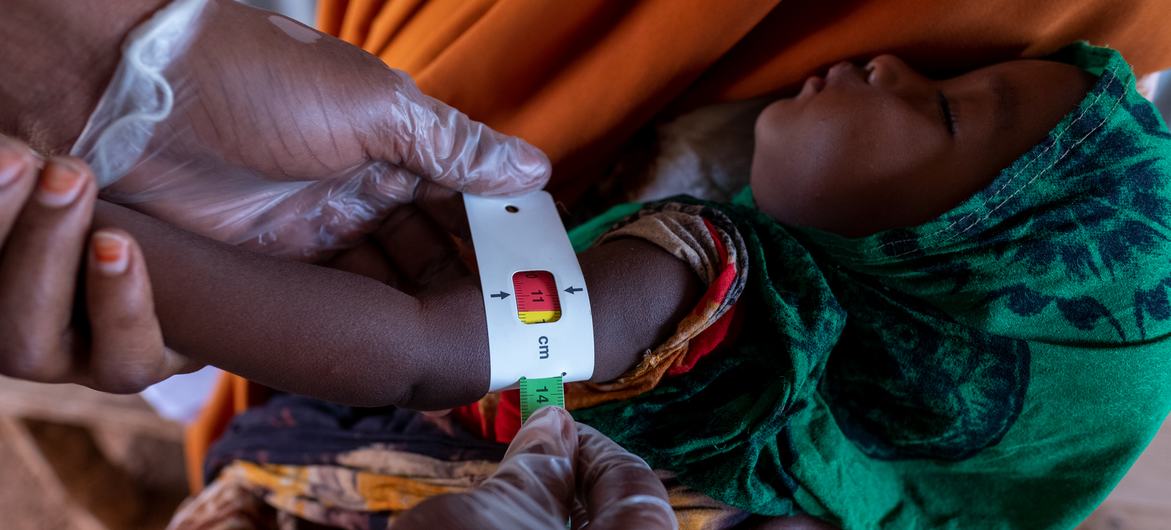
x=539 y=317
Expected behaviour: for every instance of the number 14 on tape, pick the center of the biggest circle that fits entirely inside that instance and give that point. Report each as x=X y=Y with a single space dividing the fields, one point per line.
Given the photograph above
x=540 y=392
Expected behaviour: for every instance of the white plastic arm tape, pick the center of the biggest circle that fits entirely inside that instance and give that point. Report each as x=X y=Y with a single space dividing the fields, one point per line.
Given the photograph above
x=524 y=234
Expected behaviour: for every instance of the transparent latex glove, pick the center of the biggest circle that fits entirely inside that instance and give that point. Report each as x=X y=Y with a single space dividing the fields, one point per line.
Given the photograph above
x=555 y=467
x=250 y=128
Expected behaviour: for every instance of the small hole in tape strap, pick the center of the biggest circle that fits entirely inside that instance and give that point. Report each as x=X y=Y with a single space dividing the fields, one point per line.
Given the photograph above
x=511 y=209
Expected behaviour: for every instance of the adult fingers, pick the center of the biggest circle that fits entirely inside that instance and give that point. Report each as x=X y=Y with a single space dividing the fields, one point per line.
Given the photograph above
x=537 y=472
x=532 y=488
x=538 y=466
x=38 y=272
x=417 y=248
x=366 y=259
x=19 y=167
x=443 y=145
x=127 y=351
x=618 y=489
x=445 y=207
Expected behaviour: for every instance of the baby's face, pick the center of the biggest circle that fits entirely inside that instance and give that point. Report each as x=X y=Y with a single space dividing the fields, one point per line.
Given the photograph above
x=869 y=148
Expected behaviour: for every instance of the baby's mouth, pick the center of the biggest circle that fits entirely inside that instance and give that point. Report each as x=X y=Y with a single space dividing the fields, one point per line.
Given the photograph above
x=837 y=73
x=845 y=69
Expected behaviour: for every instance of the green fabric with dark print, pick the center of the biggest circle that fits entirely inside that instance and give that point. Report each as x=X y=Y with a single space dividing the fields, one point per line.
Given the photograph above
x=1000 y=366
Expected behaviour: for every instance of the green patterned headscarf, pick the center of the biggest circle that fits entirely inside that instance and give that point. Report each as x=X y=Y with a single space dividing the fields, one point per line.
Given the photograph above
x=1000 y=366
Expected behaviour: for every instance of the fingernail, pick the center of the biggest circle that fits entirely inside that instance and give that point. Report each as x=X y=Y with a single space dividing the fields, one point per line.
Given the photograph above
x=9 y=170
x=60 y=184
x=14 y=158
x=111 y=253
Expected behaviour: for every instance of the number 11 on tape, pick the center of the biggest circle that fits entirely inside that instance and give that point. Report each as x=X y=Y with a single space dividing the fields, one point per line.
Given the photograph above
x=540 y=392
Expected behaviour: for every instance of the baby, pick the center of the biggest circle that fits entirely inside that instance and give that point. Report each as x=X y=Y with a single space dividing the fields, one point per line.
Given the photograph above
x=904 y=322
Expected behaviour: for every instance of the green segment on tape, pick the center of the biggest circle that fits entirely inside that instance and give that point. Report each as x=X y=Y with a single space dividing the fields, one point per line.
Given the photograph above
x=537 y=393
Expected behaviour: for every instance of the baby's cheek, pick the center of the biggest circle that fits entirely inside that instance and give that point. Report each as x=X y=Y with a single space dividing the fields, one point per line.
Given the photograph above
x=778 y=129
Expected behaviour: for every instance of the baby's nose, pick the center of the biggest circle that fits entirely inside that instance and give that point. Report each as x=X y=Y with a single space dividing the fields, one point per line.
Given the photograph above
x=885 y=70
x=896 y=76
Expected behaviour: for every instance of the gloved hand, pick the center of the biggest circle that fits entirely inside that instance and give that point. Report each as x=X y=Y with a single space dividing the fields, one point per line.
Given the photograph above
x=250 y=128
x=555 y=467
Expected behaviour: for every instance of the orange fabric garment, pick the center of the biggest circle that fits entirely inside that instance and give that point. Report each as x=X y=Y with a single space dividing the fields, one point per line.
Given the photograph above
x=231 y=396
x=578 y=78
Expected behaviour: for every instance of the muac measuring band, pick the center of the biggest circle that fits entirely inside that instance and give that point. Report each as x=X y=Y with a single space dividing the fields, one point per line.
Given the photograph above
x=540 y=328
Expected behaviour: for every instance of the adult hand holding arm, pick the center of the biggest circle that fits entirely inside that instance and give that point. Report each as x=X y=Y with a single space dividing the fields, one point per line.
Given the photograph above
x=276 y=137
x=245 y=126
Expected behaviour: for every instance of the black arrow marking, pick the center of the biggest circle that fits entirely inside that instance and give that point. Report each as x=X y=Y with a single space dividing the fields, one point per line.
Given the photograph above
x=501 y=295
x=572 y=290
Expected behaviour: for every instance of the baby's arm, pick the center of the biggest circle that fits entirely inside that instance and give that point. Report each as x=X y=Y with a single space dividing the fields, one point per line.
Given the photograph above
x=346 y=338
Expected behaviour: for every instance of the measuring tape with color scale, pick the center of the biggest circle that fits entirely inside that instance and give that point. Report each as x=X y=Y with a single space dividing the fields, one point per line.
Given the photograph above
x=540 y=329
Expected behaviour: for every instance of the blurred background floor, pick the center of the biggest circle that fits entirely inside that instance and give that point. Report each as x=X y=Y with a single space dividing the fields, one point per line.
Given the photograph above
x=74 y=459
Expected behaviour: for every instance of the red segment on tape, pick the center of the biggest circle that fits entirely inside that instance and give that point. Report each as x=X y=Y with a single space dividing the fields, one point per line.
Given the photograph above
x=536 y=297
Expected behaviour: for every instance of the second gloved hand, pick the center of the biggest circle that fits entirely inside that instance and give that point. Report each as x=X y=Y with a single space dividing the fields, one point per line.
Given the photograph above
x=555 y=468
x=250 y=128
